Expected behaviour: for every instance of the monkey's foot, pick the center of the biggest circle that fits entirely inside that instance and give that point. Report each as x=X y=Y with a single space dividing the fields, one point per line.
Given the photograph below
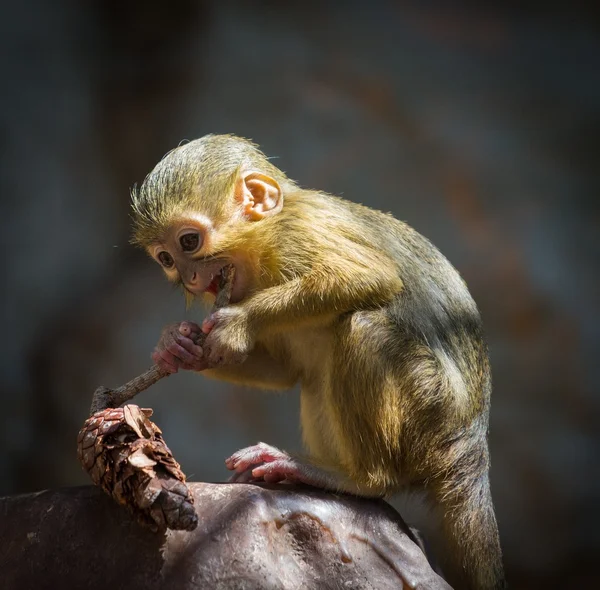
x=263 y=462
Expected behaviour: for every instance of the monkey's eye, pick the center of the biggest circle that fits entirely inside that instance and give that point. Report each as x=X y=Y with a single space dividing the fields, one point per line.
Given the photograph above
x=189 y=242
x=165 y=259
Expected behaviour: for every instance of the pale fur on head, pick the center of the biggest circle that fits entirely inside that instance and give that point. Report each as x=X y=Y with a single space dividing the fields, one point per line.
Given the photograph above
x=198 y=177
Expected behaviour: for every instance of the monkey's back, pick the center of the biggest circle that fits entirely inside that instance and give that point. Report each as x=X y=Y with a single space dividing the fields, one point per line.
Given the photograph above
x=434 y=310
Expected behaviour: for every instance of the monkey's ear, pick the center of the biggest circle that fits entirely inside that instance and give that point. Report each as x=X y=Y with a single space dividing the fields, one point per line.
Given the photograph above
x=260 y=195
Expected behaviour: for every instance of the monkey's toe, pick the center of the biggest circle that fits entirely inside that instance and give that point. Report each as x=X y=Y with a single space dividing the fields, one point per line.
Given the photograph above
x=288 y=470
x=244 y=476
x=254 y=456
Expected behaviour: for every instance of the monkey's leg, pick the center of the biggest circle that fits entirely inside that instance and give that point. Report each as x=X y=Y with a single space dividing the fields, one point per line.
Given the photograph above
x=344 y=398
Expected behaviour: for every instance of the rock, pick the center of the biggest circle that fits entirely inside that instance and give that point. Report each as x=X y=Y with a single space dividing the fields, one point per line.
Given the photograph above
x=249 y=536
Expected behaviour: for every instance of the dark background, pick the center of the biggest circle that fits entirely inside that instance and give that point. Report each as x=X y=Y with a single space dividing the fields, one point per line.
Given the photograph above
x=478 y=127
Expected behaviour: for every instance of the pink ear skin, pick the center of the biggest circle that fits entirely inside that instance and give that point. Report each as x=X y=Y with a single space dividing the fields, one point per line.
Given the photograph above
x=260 y=196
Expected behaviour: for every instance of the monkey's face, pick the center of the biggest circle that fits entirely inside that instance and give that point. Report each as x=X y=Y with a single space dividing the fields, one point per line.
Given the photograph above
x=194 y=249
x=186 y=255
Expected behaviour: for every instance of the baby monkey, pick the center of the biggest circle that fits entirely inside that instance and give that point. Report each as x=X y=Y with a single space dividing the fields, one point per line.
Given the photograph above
x=361 y=310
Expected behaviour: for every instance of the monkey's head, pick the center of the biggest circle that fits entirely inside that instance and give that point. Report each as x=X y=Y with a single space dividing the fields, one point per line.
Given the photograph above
x=195 y=212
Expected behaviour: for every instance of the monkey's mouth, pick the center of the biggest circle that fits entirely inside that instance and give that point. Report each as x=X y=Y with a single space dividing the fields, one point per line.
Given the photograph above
x=213 y=286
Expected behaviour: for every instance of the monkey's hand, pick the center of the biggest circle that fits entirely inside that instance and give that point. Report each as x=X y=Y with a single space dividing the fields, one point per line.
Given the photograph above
x=229 y=339
x=176 y=349
x=263 y=462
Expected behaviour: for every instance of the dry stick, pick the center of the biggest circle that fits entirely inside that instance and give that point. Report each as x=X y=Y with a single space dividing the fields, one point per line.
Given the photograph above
x=111 y=398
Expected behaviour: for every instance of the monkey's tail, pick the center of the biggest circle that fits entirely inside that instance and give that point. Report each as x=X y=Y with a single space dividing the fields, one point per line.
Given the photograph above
x=472 y=532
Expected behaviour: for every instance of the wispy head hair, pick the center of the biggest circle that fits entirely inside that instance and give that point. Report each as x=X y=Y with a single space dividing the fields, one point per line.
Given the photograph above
x=199 y=177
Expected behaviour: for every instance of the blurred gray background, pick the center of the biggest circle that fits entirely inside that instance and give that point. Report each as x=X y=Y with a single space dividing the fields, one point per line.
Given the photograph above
x=478 y=127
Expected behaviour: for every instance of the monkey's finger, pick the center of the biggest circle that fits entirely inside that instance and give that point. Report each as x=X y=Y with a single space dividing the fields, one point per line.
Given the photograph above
x=165 y=361
x=254 y=455
x=274 y=478
x=193 y=349
x=294 y=472
x=208 y=324
x=199 y=364
x=243 y=477
x=189 y=328
x=276 y=471
x=180 y=353
x=243 y=460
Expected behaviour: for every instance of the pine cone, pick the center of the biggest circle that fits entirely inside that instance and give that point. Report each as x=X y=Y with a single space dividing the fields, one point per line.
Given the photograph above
x=125 y=454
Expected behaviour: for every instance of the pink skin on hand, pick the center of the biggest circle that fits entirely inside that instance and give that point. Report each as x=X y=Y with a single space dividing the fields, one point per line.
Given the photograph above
x=222 y=345
x=208 y=324
x=176 y=348
x=263 y=462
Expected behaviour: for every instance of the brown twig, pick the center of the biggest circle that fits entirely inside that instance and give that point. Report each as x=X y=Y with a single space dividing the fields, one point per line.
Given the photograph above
x=111 y=398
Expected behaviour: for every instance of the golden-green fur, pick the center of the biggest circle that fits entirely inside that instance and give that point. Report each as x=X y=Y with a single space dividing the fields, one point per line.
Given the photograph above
x=370 y=318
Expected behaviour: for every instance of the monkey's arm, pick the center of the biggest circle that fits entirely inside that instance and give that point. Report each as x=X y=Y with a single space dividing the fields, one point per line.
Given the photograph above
x=260 y=370
x=365 y=280
x=339 y=283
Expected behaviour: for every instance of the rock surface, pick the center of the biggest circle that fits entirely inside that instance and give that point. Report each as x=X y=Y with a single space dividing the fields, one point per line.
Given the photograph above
x=249 y=536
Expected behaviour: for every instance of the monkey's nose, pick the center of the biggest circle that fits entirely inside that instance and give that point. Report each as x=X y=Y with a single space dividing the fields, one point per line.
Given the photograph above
x=193 y=281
